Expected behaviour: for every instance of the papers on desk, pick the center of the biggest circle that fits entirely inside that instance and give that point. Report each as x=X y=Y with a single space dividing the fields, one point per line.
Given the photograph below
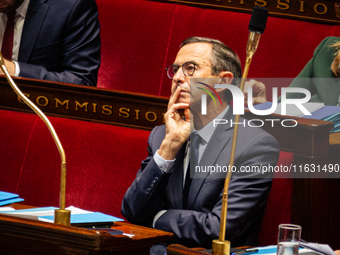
x=305 y=249
x=7 y=198
x=78 y=216
x=293 y=110
x=318 y=247
x=319 y=111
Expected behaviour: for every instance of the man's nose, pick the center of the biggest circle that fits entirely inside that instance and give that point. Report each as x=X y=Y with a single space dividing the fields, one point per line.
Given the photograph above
x=179 y=75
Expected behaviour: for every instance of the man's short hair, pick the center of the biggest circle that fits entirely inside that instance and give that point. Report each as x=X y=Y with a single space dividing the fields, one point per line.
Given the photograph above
x=222 y=58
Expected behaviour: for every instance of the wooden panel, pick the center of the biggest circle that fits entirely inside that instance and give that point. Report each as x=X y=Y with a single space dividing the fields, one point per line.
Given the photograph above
x=323 y=11
x=176 y=249
x=23 y=236
x=86 y=103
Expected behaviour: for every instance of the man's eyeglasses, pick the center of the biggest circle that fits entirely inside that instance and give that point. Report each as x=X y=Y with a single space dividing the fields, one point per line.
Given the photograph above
x=188 y=69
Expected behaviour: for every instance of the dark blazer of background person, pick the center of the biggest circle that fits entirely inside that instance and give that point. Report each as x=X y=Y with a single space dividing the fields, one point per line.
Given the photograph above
x=199 y=224
x=61 y=41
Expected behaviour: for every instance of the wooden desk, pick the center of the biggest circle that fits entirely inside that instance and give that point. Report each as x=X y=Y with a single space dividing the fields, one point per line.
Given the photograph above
x=23 y=236
x=177 y=249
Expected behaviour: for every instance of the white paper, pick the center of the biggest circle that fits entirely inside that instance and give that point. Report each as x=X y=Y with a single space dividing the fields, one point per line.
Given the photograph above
x=293 y=110
x=321 y=248
x=6 y=209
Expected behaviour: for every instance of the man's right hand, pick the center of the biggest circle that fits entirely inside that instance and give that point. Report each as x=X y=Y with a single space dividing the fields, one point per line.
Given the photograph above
x=177 y=128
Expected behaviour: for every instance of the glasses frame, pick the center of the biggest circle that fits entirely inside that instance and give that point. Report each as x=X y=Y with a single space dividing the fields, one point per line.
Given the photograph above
x=181 y=66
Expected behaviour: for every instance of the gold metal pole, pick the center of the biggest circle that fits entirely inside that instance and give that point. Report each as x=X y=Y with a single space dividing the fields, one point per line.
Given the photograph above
x=220 y=246
x=61 y=215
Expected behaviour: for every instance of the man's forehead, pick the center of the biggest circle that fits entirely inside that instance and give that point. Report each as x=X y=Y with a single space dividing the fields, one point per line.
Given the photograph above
x=195 y=52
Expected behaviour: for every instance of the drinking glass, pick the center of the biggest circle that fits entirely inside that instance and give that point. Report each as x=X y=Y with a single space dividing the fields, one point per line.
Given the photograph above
x=288 y=239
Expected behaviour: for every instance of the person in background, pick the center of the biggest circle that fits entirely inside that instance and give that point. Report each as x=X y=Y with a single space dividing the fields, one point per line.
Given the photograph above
x=164 y=196
x=57 y=40
x=324 y=64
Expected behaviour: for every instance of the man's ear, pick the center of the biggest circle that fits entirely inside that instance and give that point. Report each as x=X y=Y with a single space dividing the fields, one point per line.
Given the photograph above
x=226 y=77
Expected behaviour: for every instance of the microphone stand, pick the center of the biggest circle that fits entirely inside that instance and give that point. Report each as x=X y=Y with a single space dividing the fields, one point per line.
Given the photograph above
x=221 y=246
x=61 y=215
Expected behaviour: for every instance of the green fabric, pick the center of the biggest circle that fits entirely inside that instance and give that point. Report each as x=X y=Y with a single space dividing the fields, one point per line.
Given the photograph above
x=324 y=87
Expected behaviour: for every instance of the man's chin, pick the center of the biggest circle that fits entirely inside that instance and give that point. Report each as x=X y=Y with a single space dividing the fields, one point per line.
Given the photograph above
x=12 y=7
x=183 y=100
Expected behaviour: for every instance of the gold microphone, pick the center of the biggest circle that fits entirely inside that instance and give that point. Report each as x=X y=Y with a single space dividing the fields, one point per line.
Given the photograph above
x=257 y=25
x=61 y=215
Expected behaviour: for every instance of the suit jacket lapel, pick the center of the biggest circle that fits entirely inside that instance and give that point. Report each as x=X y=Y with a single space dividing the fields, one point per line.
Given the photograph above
x=212 y=152
x=36 y=12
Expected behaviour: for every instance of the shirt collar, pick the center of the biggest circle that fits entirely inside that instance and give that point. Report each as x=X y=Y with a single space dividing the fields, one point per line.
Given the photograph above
x=206 y=132
x=22 y=9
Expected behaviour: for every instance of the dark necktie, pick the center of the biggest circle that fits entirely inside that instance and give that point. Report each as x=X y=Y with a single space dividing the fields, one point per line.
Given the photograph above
x=194 y=143
x=7 y=42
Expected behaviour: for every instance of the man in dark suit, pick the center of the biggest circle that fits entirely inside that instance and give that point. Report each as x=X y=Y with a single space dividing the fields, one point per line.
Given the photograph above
x=157 y=197
x=60 y=40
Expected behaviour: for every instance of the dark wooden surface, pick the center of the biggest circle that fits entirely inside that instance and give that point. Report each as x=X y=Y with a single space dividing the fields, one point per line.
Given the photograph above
x=320 y=11
x=86 y=103
x=23 y=236
x=177 y=249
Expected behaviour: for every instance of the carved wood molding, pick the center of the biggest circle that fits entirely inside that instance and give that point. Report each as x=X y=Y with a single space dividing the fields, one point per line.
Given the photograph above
x=86 y=103
x=321 y=11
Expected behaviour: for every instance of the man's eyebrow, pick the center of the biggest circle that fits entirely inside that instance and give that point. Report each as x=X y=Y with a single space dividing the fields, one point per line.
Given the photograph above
x=189 y=61
x=192 y=61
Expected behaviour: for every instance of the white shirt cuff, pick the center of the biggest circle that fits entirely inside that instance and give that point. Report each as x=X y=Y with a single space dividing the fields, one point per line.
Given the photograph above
x=17 y=69
x=163 y=164
x=159 y=214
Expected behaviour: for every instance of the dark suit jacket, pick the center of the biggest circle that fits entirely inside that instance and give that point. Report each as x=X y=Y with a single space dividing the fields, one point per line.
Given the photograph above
x=154 y=190
x=61 y=41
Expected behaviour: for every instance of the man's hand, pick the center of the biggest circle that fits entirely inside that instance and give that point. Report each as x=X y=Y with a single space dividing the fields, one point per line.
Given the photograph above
x=10 y=67
x=177 y=129
x=259 y=92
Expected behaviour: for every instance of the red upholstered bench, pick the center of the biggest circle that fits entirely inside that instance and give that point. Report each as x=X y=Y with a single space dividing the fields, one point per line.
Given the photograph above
x=102 y=161
x=278 y=208
x=142 y=37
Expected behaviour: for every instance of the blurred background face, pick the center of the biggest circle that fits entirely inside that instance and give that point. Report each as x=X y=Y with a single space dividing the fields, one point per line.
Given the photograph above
x=9 y=5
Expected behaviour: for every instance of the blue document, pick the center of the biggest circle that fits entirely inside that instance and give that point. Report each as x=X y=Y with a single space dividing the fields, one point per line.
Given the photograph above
x=94 y=217
x=7 y=195
x=324 y=112
x=327 y=113
x=8 y=198
x=78 y=216
x=10 y=201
